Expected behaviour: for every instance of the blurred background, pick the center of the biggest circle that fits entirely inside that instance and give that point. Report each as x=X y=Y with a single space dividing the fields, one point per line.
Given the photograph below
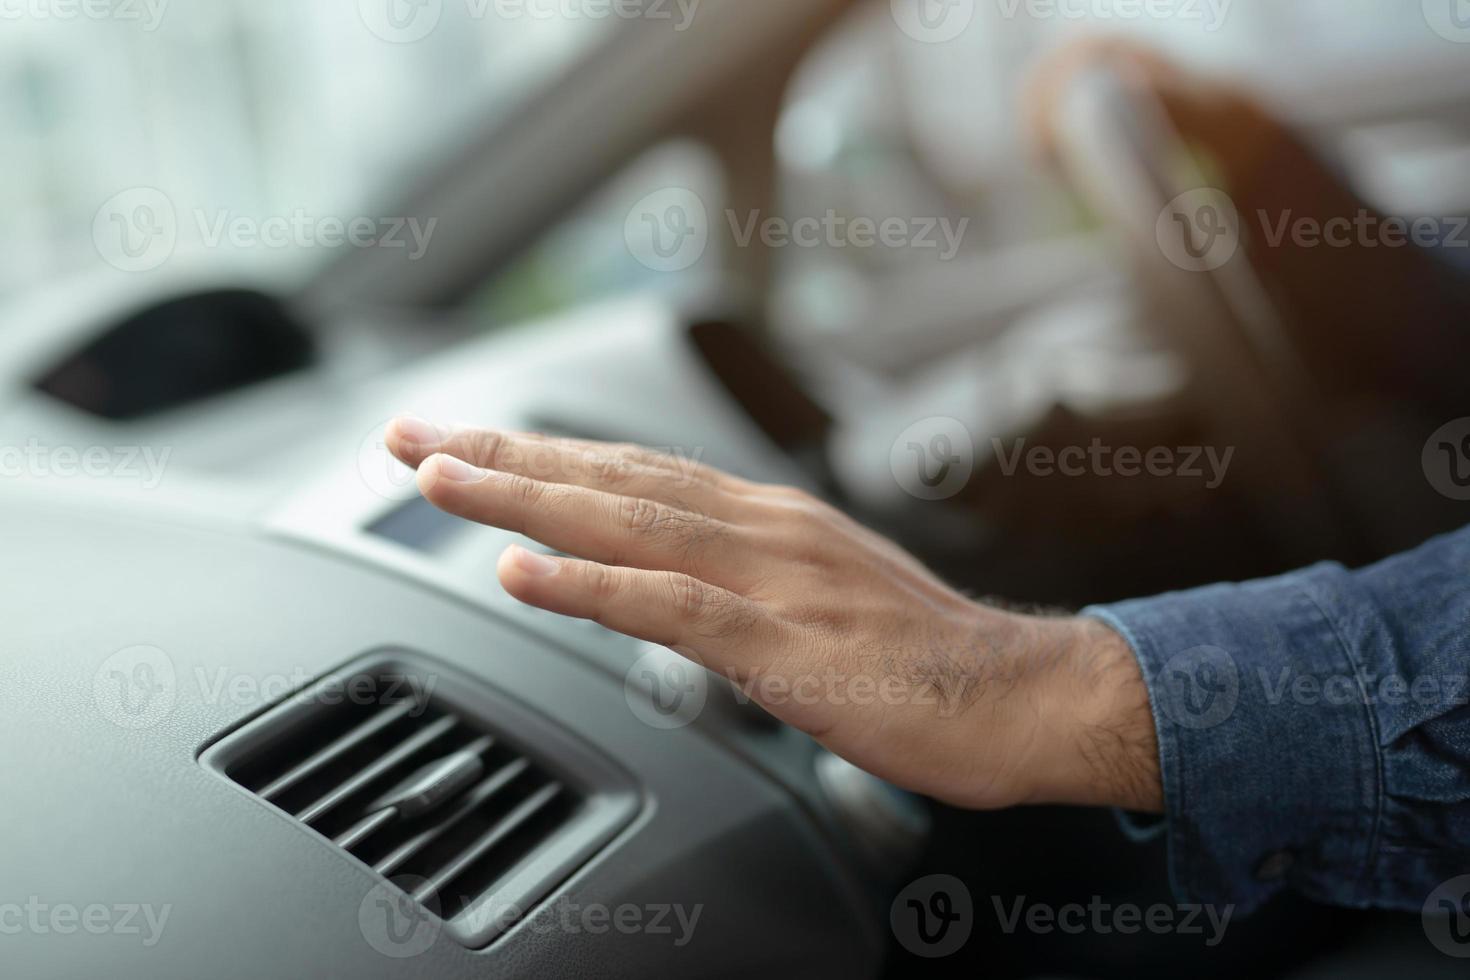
x=523 y=151
x=261 y=107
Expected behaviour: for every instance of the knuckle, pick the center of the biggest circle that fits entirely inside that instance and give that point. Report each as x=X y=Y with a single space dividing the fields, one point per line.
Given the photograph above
x=623 y=455
x=789 y=494
x=612 y=470
x=677 y=464
x=526 y=493
x=820 y=617
x=488 y=446
x=691 y=597
x=821 y=520
x=601 y=582
x=689 y=537
x=803 y=525
x=814 y=510
x=639 y=515
x=710 y=611
x=628 y=450
x=668 y=525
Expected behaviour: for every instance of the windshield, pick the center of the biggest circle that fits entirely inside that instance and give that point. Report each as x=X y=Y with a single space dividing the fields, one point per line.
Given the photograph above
x=249 y=129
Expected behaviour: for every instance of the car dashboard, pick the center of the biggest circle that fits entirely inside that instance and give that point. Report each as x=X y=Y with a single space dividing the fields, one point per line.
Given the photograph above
x=183 y=737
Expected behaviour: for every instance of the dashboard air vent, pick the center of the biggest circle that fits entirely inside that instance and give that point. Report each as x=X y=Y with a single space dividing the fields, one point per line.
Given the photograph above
x=468 y=802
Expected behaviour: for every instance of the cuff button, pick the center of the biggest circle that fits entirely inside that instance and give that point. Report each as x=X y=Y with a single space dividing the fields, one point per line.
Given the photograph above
x=1274 y=866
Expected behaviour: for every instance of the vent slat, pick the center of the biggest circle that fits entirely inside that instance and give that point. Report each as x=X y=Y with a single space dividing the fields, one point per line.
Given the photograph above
x=487 y=841
x=335 y=750
x=415 y=742
x=364 y=828
x=427 y=776
x=475 y=799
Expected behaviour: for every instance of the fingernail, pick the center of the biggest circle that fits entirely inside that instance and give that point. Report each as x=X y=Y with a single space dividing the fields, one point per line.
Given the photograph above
x=456 y=470
x=533 y=563
x=417 y=432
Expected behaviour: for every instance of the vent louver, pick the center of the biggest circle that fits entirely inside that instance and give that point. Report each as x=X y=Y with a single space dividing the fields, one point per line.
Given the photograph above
x=462 y=798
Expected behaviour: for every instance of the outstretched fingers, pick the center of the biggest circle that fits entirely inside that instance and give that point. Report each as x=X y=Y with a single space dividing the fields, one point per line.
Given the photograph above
x=667 y=608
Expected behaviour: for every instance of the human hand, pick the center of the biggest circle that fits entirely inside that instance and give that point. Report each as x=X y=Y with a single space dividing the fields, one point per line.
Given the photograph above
x=830 y=627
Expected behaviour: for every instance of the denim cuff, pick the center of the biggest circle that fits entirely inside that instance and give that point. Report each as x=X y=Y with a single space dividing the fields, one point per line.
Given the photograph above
x=1268 y=751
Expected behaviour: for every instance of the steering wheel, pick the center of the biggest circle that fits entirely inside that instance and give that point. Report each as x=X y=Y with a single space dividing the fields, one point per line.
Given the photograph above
x=1207 y=303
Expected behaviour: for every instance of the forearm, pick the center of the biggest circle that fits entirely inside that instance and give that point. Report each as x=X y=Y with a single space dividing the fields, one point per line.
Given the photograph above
x=1311 y=729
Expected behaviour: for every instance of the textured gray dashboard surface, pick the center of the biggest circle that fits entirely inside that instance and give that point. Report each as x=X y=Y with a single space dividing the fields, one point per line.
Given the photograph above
x=106 y=806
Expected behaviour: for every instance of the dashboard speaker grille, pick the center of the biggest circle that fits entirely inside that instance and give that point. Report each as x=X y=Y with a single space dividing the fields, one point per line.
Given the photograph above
x=462 y=799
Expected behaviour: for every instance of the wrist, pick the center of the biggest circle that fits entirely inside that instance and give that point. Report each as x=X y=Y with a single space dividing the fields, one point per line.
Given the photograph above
x=1095 y=743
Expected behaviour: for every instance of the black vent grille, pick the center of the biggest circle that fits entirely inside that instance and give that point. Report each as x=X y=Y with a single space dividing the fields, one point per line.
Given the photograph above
x=410 y=769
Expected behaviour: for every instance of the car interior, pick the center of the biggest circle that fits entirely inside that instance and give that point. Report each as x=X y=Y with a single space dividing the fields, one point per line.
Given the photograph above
x=211 y=553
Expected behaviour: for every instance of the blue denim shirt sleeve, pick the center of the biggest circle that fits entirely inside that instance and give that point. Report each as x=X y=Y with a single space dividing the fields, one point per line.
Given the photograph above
x=1313 y=729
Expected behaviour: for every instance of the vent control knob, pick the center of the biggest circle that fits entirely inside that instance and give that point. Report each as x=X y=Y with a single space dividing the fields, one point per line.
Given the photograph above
x=432 y=785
